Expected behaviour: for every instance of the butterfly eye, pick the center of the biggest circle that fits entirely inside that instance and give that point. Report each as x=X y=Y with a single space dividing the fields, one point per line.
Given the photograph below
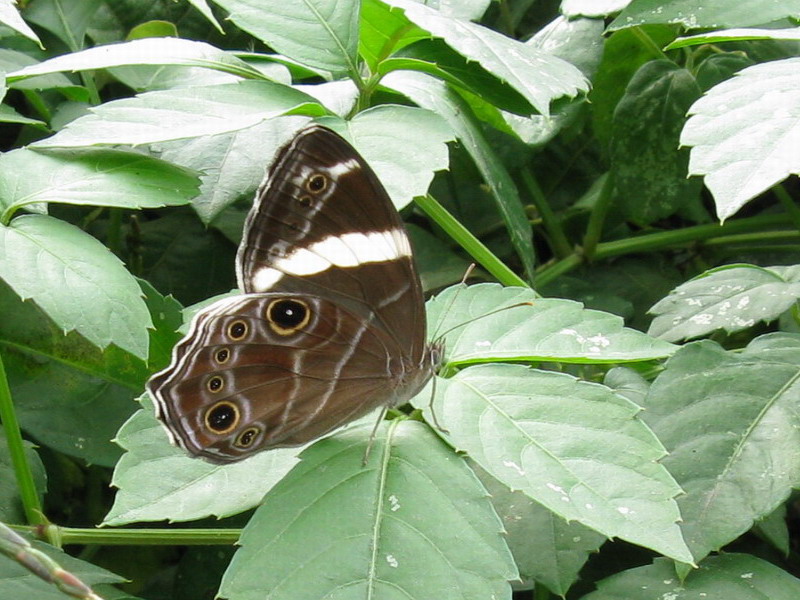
x=247 y=437
x=215 y=384
x=222 y=356
x=287 y=316
x=222 y=418
x=237 y=330
x=317 y=183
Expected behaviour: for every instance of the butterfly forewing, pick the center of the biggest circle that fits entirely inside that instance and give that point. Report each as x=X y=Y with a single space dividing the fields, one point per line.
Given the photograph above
x=322 y=223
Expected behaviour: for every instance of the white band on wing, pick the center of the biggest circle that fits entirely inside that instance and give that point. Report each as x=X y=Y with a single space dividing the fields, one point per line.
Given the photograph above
x=348 y=250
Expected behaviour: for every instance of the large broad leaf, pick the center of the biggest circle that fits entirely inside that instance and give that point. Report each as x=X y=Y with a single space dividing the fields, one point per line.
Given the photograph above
x=532 y=329
x=538 y=76
x=11 y=510
x=68 y=394
x=575 y=447
x=724 y=577
x=158 y=481
x=182 y=113
x=546 y=548
x=91 y=178
x=322 y=34
x=148 y=51
x=707 y=13
x=648 y=167
x=404 y=145
x=413 y=523
x=76 y=280
x=733 y=297
x=435 y=96
x=745 y=133
x=231 y=164
x=730 y=423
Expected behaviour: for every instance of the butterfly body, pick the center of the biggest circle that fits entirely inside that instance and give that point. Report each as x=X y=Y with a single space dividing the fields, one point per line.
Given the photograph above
x=331 y=324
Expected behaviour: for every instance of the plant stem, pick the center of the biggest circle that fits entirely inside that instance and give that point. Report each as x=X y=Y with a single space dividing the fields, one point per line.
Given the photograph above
x=16 y=449
x=665 y=239
x=476 y=249
x=791 y=208
x=134 y=537
x=558 y=240
x=594 y=229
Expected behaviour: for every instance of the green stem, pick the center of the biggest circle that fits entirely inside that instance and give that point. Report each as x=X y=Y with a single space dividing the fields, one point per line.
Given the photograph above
x=552 y=224
x=134 y=537
x=594 y=229
x=663 y=239
x=476 y=249
x=791 y=208
x=16 y=449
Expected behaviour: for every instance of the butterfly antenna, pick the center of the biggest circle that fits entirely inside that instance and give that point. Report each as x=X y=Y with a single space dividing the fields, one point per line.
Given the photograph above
x=463 y=282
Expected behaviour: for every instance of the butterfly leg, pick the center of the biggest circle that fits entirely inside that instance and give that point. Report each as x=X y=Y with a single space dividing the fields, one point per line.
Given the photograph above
x=381 y=417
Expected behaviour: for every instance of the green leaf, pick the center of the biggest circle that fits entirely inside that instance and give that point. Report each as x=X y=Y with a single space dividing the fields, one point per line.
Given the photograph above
x=167 y=315
x=229 y=168
x=76 y=280
x=91 y=178
x=744 y=133
x=404 y=145
x=68 y=394
x=438 y=59
x=182 y=257
x=733 y=298
x=579 y=42
x=182 y=113
x=592 y=8
x=730 y=423
x=9 y=115
x=728 y=35
x=11 y=60
x=775 y=530
x=649 y=168
x=158 y=481
x=66 y=19
x=725 y=577
x=11 y=18
x=546 y=548
x=719 y=67
x=708 y=13
x=147 y=51
x=11 y=510
x=322 y=34
x=543 y=329
x=623 y=54
x=627 y=383
x=414 y=523
x=539 y=77
x=575 y=447
x=18 y=582
x=384 y=31
x=436 y=97
x=205 y=10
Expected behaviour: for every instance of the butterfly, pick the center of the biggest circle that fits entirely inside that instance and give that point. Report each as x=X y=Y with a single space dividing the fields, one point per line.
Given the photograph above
x=331 y=324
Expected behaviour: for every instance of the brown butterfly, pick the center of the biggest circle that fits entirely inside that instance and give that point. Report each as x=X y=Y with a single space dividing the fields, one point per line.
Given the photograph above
x=331 y=324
